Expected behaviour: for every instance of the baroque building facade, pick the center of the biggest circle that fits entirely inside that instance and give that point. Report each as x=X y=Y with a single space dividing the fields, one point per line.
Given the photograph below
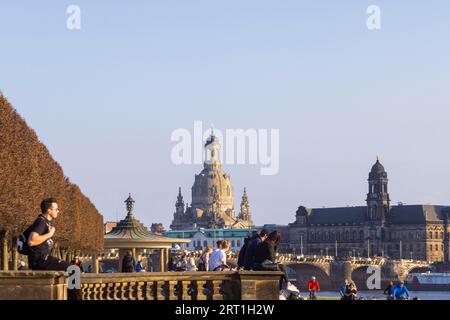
x=212 y=204
x=420 y=232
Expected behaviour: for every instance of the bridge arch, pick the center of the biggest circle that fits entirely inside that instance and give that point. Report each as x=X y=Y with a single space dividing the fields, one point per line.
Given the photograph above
x=420 y=269
x=360 y=276
x=305 y=271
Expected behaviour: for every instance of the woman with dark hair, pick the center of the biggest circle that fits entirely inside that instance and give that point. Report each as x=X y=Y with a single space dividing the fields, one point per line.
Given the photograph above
x=265 y=258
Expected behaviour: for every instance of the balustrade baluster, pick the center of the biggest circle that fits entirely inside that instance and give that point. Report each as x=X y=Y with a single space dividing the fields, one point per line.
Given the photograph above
x=200 y=289
x=216 y=287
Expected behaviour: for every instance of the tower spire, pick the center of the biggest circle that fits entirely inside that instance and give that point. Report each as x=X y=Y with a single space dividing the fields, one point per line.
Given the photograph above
x=245 y=207
x=130 y=205
x=180 y=201
x=212 y=150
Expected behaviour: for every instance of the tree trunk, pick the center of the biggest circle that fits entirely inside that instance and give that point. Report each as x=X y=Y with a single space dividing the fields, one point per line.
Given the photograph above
x=15 y=256
x=4 y=249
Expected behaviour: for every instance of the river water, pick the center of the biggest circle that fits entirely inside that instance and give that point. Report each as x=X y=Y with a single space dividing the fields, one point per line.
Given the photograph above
x=422 y=295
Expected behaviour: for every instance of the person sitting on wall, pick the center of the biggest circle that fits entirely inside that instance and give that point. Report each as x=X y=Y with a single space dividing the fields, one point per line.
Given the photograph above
x=40 y=240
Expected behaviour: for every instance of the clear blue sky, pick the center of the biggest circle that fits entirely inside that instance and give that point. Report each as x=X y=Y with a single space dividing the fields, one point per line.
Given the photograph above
x=105 y=99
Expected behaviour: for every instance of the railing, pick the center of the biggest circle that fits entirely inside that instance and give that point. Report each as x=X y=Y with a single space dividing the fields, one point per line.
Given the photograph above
x=228 y=285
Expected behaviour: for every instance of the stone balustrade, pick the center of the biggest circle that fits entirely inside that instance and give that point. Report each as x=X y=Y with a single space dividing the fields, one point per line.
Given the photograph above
x=33 y=285
x=227 y=285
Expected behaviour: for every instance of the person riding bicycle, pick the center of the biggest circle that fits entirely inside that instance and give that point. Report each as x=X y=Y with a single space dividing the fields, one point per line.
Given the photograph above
x=313 y=288
x=400 y=292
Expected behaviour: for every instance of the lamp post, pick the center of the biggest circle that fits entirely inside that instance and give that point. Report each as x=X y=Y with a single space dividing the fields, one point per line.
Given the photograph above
x=301 y=244
x=336 y=249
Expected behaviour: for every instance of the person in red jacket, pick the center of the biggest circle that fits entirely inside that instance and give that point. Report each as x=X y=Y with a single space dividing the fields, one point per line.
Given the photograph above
x=313 y=287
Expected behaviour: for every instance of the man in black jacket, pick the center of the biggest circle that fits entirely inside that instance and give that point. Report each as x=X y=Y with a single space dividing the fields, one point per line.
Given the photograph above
x=241 y=257
x=249 y=259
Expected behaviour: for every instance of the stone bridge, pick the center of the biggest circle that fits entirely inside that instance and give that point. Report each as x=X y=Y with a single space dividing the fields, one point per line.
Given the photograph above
x=330 y=272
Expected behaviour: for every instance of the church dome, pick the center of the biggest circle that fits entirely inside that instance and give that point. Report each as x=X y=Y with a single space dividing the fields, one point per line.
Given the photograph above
x=212 y=184
x=377 y=171
x=378 y=167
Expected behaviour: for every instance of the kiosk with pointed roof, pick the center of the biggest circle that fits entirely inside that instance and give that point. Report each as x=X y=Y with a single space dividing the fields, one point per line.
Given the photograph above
x=130 y=235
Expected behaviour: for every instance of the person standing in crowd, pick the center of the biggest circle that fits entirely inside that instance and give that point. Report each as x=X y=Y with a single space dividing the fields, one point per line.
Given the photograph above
x=171 y=267
x=182 y=263
x=77 y=262
x=400 y=292
x=128 y=263
x=203 y=264
x=388 y=292
x=40 y=239
x=313 y=288
x=140 y=266
x=343 y=288
x=191 y=265
x=348 y=290
x=241 y=257
x=76 y=294
x=265 y=259
x=249 y=259
x=218 y=257
x=351 y=292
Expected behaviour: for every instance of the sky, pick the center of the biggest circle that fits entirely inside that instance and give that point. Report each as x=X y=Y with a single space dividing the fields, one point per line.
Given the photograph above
x=105 y=99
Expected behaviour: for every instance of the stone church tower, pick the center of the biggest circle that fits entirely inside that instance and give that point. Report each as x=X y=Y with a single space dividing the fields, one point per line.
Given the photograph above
x=378 y=208
x=378 y=201
x=212 y=197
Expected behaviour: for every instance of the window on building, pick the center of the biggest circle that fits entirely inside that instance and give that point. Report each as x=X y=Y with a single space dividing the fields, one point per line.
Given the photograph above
x=430 y=235
x=239 y=243
x=232 y=243
x=431 y=247
x=436 y=235
x=436 y=247
x=205 y=244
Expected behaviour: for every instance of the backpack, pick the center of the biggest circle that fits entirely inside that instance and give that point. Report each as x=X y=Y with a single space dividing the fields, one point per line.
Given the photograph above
x=22 y=241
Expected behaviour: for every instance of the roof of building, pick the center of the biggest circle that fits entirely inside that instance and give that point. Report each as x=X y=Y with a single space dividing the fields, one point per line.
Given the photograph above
x=130 y=233
x=337 y=215
x=402 y=214
x=413 y=214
